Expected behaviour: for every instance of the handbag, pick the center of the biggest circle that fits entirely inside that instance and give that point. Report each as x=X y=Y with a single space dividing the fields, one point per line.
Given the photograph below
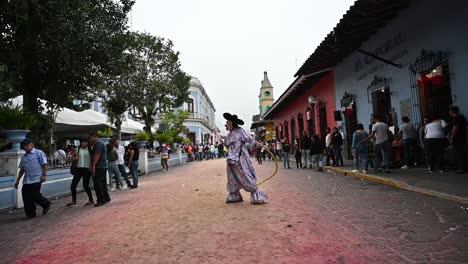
x=74 y=168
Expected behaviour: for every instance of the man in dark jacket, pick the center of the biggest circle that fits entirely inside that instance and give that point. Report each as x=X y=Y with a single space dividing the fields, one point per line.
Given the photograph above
x=458 y=137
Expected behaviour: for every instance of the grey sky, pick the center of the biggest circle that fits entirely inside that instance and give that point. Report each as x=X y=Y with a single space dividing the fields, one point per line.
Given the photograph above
x=229 y=44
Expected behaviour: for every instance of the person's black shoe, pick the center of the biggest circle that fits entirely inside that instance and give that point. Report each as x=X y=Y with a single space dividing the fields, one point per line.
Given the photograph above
x=89 y=203
x=108 y=200
x=46 y=209
x=237 y=201
x=71 y=203
x=133 y=187
x=28 y=218
x=98 y=204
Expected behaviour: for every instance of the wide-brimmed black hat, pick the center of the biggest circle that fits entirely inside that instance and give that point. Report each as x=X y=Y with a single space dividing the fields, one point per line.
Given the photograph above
x=233 y=118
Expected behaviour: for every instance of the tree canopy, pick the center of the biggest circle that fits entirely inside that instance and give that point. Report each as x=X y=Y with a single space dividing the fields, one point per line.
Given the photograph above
x=58 y=50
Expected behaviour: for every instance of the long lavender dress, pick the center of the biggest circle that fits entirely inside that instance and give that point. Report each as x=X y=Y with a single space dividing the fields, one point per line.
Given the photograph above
x=240 y=171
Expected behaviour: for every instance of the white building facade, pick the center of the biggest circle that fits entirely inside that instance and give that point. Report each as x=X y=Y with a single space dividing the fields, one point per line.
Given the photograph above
x=201 y=122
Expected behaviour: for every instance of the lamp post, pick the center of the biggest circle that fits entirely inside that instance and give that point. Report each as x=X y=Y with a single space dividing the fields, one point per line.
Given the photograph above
x=312 y=102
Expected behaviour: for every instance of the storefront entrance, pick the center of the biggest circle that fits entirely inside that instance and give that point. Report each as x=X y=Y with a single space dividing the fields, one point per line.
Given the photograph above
x=381 y=103
x=293 y=130
x=431 y=94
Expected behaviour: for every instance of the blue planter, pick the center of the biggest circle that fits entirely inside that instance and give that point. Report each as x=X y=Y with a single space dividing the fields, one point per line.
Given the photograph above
x=16 y=137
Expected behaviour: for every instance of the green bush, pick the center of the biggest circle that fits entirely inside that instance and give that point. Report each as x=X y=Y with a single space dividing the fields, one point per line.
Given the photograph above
x=164 y=138
x=16 y=118
x=106 y=133
x=179 y=139
x=142 y=136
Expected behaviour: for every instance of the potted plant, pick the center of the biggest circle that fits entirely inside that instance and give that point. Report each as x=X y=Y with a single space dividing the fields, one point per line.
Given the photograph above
x=105 y=134
x=16 y=124
x=142 y=138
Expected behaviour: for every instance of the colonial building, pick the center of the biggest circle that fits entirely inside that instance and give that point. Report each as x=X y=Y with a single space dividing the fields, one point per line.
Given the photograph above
x=201 y=122
x=263 y=128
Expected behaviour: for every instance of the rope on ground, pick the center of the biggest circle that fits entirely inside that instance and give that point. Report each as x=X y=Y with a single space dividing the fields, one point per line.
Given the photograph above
x=276 y=164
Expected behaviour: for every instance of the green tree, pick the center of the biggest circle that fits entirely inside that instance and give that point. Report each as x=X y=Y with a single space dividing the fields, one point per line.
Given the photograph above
x=174 y=122
x=162 y=85
x=56 y=50
x=118 y=88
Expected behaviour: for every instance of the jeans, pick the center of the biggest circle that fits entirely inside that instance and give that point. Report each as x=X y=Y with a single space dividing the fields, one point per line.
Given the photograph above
x=114 y=171
x=164 y=164
x=100 y=186
x=31 y=196
x=337 y=154
x=305 y=157
x=409 y=145
x=286 y=159
x=298 y=161
x=86 y=175
x=385 y=148
x=134 y=172
x=436 y=152
x=360 y=153
x=123 y=173
x=317 y=158
x=279 y=154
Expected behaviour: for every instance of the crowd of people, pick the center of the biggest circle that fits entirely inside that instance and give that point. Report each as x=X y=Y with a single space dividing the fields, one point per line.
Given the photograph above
x=199 y=152
x=373 y=147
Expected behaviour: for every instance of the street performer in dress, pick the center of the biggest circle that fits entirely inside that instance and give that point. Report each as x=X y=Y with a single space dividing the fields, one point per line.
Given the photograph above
x=240 y=171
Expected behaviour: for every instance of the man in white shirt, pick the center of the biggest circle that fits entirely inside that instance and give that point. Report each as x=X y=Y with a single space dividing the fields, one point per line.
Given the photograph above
x=279 y=149
x=382 y=144
x=121 y=162
x=327 y=146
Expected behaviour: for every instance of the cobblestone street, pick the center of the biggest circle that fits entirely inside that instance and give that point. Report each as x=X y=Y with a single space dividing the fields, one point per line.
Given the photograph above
x=180 y=216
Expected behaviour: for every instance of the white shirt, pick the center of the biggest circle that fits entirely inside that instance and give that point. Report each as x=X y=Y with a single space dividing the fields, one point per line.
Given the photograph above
x=212 y=148
x=328 y=140
x=278 y=145
x=121 y=152
x=435 y=129
x=381 y=132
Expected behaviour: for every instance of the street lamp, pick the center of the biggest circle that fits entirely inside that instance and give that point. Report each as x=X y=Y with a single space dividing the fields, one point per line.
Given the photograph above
x=312 y=102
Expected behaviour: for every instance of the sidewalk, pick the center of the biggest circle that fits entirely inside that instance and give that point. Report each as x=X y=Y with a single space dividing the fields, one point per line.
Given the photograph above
x=449 y=186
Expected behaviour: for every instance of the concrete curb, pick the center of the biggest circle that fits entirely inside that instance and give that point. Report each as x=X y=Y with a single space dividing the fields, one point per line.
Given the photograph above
x=397 y=184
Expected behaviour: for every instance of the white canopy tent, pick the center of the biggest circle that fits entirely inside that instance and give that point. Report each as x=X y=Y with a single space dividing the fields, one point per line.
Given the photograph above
x=71 y=123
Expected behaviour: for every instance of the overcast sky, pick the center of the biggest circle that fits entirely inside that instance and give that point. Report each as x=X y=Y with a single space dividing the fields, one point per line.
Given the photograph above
x=229 y=44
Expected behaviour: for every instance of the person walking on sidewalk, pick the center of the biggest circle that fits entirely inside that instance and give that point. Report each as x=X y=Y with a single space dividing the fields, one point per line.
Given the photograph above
x=317 y=149
x=422 y=140
x=121 y=162
x=336 y=144
x=112 y=158
x=297 y=155
x=240 y=171
x=33 y=166
x=458 y=137
x=436 y=139
x=98 y=168
x=359 y=149
x=279 y=148
x=410 y=143
x=286 y=148
x=382 y=144
x=329 y=153
x=305 y=149
x=83 y=161
x=133 y=158
x=164 y=157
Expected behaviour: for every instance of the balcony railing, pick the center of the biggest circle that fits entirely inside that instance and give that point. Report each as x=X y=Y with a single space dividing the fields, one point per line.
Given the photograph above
x=204 y=118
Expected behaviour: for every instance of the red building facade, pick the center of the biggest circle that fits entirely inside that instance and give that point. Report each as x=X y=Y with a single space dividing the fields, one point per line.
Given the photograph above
x=294 y=112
